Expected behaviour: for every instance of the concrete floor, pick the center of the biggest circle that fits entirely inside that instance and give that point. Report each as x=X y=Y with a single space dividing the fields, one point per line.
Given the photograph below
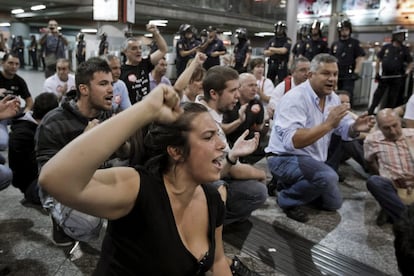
x=26 y=247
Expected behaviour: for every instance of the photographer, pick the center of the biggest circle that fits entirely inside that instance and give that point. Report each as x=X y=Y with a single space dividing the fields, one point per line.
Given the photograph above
x=53 y=44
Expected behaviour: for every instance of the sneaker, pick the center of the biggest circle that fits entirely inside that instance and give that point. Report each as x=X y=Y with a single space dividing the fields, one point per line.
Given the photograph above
x=296 y=213
x=382 y=218
x=239 y=269
x=59 y=237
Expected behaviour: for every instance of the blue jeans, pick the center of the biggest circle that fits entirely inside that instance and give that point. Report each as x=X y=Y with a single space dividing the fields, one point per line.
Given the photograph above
x=305 y=180
x=243 y=197
x=384 y=192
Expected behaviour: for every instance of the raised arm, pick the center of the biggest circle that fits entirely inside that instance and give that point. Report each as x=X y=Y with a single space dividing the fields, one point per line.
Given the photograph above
x=184 y=79
x=108 y=193
x=161 y=44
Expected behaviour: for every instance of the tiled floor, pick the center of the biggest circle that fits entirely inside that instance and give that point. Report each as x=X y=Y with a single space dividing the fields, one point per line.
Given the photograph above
x=26 y=248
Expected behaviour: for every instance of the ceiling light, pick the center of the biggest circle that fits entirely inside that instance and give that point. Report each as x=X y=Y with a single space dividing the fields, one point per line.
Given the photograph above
x=91 y=31
x=38 y=7
x=17 y=11
x=159 y=22
x=227 y=33
x=263 y=34
x=5 y=24
x=148 y=35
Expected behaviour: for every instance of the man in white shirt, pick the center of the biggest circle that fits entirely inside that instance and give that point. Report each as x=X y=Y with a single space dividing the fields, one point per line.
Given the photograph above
x=62 y=81
x=299 y=73
x=120 y=99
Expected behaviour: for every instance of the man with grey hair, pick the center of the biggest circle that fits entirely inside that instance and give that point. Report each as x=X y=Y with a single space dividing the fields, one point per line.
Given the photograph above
x=135 y=71
x=298 y=146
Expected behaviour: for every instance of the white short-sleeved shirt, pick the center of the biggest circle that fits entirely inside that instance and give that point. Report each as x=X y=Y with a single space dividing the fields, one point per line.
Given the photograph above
x=409 y=109
x=54 y=85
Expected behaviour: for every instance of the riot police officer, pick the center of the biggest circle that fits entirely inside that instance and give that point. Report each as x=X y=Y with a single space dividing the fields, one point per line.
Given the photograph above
x=278 y=50
x=315 y=44
x=350 y=56
x=396 y=62
x=103 y=45
x=81 y=49
x=299 y=46
x=186 y=48
x=242 y=51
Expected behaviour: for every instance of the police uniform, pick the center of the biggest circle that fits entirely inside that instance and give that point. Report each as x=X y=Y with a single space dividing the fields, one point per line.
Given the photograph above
x=314 y=47
x=241 y=49
x=184 y=44
x=298 y=49
x=394 y=61
x=347 y=51
x=278 y=64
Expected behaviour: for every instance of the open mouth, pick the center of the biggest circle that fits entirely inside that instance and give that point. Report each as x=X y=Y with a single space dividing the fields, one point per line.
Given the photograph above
x=218 y=162
x=109 y=99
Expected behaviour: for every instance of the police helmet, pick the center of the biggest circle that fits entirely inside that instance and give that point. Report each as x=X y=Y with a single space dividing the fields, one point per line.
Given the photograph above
x=104 y=36
x=241 y=33
x=280 y=26
x=304 y=30
x=344 y=24
x=81 y=36
x=184 y=28
x=399 y=34
x=203 y=32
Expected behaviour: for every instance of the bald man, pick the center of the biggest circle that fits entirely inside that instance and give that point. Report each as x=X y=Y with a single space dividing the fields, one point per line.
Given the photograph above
x=388 y=154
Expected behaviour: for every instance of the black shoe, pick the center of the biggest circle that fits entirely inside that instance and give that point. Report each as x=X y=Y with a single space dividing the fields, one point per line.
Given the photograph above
x=59 y=237
x=239 y=269
x=382 y=218
x=296 y=213
x=272 y=187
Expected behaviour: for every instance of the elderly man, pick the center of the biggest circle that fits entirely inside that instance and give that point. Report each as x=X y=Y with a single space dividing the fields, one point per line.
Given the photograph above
x=388 y=152
x=298 y=146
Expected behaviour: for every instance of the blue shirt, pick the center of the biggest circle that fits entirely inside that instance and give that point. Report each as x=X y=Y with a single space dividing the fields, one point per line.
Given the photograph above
x=300 y=109
x=120 y=100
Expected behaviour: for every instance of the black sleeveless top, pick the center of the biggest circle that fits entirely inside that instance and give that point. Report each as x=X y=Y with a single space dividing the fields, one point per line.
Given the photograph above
x=146 y=241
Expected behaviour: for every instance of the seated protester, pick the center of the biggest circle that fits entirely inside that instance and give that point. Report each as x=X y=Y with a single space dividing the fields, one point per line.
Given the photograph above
x=299 y=73
x=243 y=181
x=120 y=98
x=188 y=241
x=298 y=146
x=341 y=150
x=92 y=106
x=62 y=81
x=403 y=230
x=389 y=154
x=248 y=113
x=9 y=107
x=157 y=75
x=22 y=156
x=264 y=85
x=190 y=83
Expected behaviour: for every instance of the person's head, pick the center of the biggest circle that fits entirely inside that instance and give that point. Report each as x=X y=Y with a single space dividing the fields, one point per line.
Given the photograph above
x=43 y=103
x=344 y=29
x=94 y=84
x=280 y=28
x=62 y=69
x=248 y=87
x=103 y=36
x=344 y=97
x=190 y=143
x=195 y=85
x=132 y=49
x=304 y=31
x=316 y=29
x=389 y=123
x=186 y=31
x=53 y=26
x=399 y=34
x=32 y=38
x=212 y=32
x=403 y=230
x=241 y=34
x=257 y=66
x=115 y=64
x=81 y=36
x=221 y=88
x=323 y=74
x=300 y=69
x=161 y=68
x=11 y=64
